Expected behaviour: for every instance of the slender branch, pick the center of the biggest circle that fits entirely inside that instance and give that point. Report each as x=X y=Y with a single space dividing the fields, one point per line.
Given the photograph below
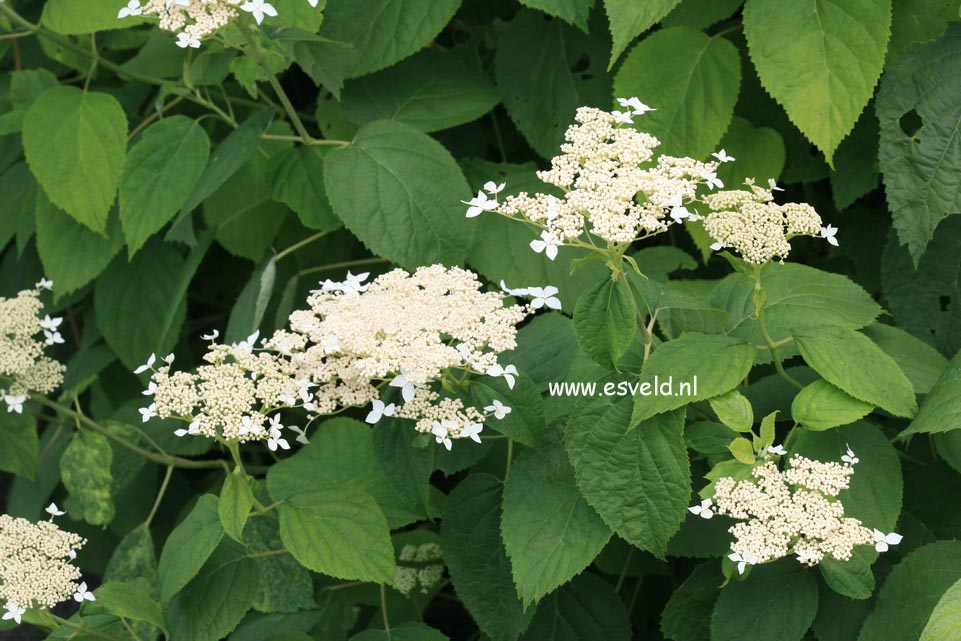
x=313 y=141
x=759 y=312
x=154 y=116
x=383 y=610
x=260 y=555
x=510 y=457
x=303 y=243
x=157 y=457
x=623 y=574
x=341 y=265
x=84 y=629
x=160 y=496
x=258 y=54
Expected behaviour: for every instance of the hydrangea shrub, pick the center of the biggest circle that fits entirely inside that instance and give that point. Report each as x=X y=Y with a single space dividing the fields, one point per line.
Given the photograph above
x=351 y=320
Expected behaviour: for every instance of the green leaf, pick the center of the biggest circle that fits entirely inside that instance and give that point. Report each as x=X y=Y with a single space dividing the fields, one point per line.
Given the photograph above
x=25 y=87
x=734 y=410
x=525 y=424
x=778 y=601
x=605 y=320
x=85 y=470
x=919 y=21
x=20 y=444
x=246 y=217
x=638 y=480
x=700 y=14
x=71 y=254
x=856 y=170
x=534 y=69
x=742 y=450
x=250 y=307
x=383 y=32
x=431 y=91
x=129 y=601
x=630 y=19
x=406 y=467
x=76 y=144
x=213 y=603
x=69 y=17
x=399 y=191
x=797 y=297
x=839 y=618
x=342 y=453
x=549 y=530
x=708 y=437
x=189 y=546
x=228 y=157
x=339 y=531
x=941 y=409
x=128 y=297
x=821 y=406
x=917 y=295
x=820 y=59
x=298 y=182
x=403 y=632
x=134 y=559
x=236 y=499
x=945 y=620
x=687 y=615
x=19 y=188
x=920 y=362
x=285 y=585
x=759 y=152
x=710 y=366
x=850 y=361
x=691 y=79
x=479 y=568
x=159 y=176
x=586 y=609
x=574 y=12
x=912 y=591
x=918 y=158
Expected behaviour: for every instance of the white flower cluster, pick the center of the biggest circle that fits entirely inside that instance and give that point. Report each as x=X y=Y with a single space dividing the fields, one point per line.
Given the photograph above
x=403 y=330
x=615 y=189
x=795 y=511
x=193 y=20
x=35 y=568
x=428 y=573
x=23 y=337
x=759 y=229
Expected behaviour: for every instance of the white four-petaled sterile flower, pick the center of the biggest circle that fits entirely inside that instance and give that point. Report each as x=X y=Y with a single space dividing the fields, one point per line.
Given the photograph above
x=509 y=373
x=147 y=413
x=772 y=185
x=185 y=40
x=212 y=336
x=44 y=283
x=312 y=3
x=247 y=345
x=493 y=188
x=546 y=244
x=637 y=107
x=544 y=297
x=807 y=557
x=53 y=510
x=13 y=611
x=379 y=410
x=830 y=233
x=883 y=541
x=776 y=450
x=52 y=338
x=151 y=389
x=722 y=156
x=717 y=246
x=499 y=409
x=849 y=457
x=259 y=9
x=743 y=560
x=472 y=431
x=442 y=434
x=132 y=9
x=407 y=388
x=83 y=594
x=703 y=510
x=193 y=429
x=148 y=365
x=274 y=437
x=330 y=344
x=15 y=403
x=623 y=117
x=50 y=323
x=711 y=180
x=247 y=426
x=678 y=211
x=479 y=204
x=179 y=3
x=520 y=291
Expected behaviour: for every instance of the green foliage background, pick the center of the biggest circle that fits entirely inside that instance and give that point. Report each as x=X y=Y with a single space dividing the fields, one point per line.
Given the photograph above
x=168 y=191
